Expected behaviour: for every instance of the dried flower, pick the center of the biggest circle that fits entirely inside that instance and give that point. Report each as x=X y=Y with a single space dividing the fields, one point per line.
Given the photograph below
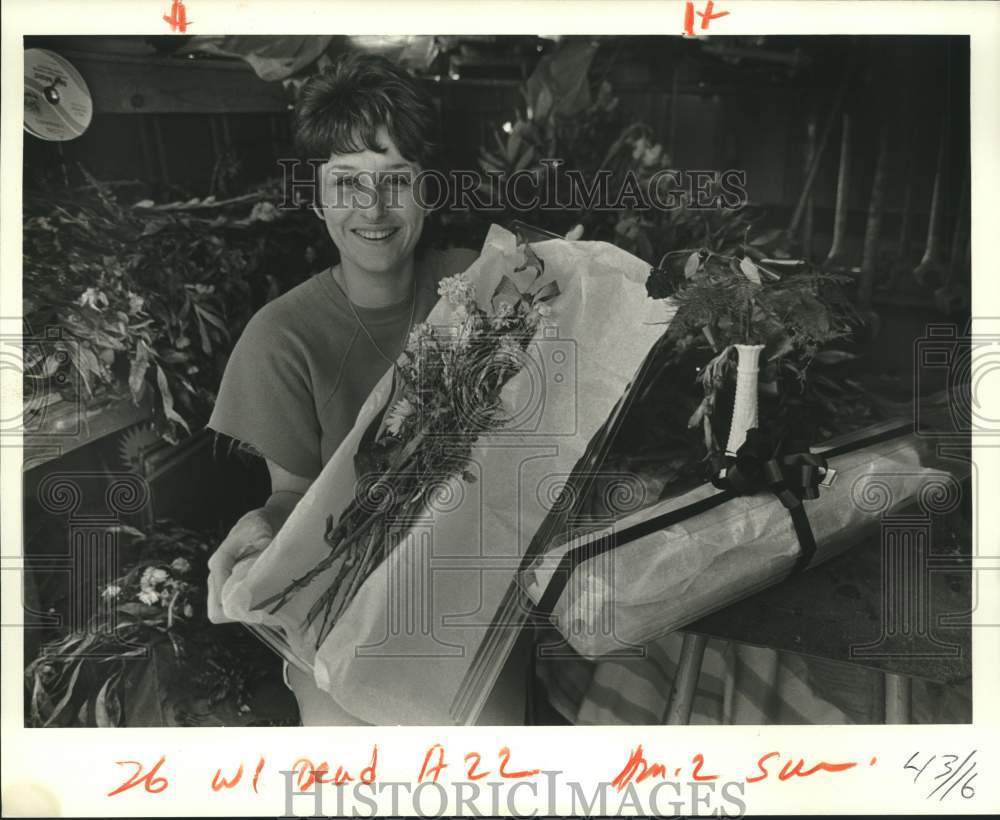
x=264 y=211
x=457 y=290
x=188 y=610
x=651 y=156
x=152 y=576
x=182 y=565
x=400 y=411
x=111 y=591
x=92 y=297
x=509 y=346
x=148 y=597
x=135 y=303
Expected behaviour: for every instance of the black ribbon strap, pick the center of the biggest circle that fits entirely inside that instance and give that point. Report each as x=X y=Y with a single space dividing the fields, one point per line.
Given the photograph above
x=789 y=471
x=793 y=476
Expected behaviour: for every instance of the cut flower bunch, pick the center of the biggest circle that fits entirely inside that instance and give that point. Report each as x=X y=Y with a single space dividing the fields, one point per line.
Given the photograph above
x=446 y=392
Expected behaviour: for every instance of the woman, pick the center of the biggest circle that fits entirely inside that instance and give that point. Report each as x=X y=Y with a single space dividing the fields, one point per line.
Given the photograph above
x=307 y=361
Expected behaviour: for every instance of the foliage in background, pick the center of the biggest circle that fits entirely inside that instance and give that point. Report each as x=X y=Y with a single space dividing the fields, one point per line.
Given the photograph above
x=150 y=656
x=146 y=300
x=734 y=280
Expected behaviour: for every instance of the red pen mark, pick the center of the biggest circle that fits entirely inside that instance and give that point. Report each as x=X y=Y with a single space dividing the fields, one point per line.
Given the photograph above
x=505 y=759
x=368 y=773
x=309 y=774
x=152 y=783
x=219 y=782
x=790 y=769
x=639 y=768
x=472 y=772
x=256 y=774
x=434 y=771
x=178 y=17
x=699 y=761
x=706 y=16
x=872 y=761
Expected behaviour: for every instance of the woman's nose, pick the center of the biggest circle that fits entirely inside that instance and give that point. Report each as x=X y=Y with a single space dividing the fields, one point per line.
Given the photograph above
x=370 y=199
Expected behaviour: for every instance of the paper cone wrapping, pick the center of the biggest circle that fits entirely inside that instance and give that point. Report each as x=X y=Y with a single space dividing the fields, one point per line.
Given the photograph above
x=400 y=650
x=665 y=580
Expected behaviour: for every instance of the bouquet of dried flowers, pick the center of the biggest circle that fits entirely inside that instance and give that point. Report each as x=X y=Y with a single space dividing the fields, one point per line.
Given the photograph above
x=727 y=299
x=446 y=393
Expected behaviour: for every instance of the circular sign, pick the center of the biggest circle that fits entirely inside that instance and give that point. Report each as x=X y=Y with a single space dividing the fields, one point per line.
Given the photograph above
x=57 y=103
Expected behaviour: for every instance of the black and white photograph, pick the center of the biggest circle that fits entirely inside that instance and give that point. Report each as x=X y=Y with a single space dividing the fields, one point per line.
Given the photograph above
x=496 y=379
x=581 y=382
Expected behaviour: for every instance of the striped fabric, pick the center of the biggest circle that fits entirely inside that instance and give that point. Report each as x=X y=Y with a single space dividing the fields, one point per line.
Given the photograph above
x=738 y=684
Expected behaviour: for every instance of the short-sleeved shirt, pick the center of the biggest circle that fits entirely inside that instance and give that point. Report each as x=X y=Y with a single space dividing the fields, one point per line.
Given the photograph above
x=303 y=366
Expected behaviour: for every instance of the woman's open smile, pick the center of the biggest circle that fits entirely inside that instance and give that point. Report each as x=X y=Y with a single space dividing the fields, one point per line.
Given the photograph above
x=375 y=235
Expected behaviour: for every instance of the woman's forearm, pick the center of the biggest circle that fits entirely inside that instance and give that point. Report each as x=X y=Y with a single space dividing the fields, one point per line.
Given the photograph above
x=279 y=506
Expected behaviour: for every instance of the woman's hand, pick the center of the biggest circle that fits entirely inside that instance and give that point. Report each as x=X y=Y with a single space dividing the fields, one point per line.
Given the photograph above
x=247 y=539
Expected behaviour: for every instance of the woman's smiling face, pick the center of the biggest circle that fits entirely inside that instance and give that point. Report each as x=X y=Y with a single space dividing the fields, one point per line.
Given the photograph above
x=369 y=208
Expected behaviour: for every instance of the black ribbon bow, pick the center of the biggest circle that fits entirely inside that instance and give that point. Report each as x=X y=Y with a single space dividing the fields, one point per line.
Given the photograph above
x=788 y=470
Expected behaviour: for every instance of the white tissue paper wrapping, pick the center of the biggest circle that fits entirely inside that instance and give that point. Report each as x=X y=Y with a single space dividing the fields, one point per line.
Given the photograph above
x=664 y=580
x=399 y=652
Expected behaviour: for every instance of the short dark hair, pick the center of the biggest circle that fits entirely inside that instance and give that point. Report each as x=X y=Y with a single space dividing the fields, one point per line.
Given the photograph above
x=340 y=110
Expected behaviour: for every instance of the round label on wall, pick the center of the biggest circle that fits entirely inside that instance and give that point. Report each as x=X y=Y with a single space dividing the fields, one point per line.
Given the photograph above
x=57 y=103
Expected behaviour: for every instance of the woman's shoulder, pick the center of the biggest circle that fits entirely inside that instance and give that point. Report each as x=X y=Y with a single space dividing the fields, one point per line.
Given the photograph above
x=301 y=317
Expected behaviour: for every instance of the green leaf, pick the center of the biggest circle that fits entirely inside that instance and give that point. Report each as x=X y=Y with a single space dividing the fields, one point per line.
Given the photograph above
x=767 y=237
x=70 y=687
x=212 y=318
x=784 y=346
x=138 y=609
x=834 y=356
x=527 y=157
x=107 y=707
x=206 y=342
x=750 y=271
x=546 y=292
x=137 y=372
x=506 y=291
x=168 y=399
